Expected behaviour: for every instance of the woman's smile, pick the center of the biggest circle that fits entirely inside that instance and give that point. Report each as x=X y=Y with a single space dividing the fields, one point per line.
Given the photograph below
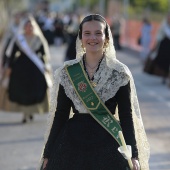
x=93 y=37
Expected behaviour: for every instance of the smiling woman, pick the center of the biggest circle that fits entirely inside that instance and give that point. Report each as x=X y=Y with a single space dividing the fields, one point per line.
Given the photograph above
x=93 y=36
x=94 y=84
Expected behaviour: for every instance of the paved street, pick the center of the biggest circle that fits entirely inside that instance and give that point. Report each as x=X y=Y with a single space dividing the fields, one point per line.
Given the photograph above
x=21 y=145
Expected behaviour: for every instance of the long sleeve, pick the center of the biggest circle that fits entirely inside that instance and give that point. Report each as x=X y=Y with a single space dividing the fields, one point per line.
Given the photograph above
x=61 y=117
x=11 y=58
x=125 y=116
x=5 y=59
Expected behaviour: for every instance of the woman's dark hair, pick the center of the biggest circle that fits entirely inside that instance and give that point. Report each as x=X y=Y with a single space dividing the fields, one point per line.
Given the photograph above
x=28 y=21
x=94 y=17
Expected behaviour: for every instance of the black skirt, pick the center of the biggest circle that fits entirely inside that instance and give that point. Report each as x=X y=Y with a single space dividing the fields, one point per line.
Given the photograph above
x=162 y=60
x=84 y=145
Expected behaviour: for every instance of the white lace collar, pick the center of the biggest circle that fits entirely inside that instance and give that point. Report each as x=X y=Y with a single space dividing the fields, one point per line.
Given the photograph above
x=107 y=79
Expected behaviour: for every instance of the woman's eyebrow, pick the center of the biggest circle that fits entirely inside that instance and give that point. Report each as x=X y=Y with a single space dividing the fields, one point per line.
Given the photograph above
x=94 y=31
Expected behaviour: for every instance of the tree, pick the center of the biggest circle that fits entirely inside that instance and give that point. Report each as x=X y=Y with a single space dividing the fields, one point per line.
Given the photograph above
x=155 y=5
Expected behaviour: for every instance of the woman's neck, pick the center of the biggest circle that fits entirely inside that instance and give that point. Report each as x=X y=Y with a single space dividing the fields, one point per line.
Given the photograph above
x=29 y=34
x=93 y=58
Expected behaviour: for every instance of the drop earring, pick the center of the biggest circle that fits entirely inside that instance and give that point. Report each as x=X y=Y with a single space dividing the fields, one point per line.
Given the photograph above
x=105 y=46
x=83 y=48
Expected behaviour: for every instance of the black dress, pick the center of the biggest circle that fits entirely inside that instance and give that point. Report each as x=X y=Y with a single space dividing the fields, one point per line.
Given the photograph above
x=71 y=49
x=162 y=60
x=160 y=65
x=27 y=84
x=80 y=143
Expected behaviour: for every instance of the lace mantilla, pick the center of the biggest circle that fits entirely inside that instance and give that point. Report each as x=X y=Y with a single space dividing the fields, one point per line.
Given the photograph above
x=111 y=73
x=108 y=83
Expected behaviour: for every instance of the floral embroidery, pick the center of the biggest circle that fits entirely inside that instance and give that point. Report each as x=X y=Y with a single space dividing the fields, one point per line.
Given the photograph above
x=82 y=86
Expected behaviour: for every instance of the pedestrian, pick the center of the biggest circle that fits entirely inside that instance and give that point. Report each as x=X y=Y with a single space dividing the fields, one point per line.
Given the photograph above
x=145 y=39
x=158 y=61
x=72 y=31
x=94 y=85
x=116 y=32
x=58 y=31
x=10 y=32
x=29 y=71
x=48 y=28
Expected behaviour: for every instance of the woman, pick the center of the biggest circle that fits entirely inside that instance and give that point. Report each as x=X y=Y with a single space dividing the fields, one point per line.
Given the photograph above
x=145 y=39
x=27 y=68
x=94 y=84
x=4 y=79
x=160 y=60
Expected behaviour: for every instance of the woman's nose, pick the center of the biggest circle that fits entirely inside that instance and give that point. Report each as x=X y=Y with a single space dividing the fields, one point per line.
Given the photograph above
x=93 y=37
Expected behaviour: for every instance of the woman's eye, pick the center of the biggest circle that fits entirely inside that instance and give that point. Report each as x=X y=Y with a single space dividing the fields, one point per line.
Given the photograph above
x=87 y=33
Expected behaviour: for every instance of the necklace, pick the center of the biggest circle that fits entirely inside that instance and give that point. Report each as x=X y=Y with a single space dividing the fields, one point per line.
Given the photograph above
x=90 y=70
x=90 y=66
x=93 y=70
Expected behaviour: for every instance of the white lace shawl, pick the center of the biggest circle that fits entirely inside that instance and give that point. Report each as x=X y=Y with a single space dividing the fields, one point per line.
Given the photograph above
x=109 y=83
x=121 y=77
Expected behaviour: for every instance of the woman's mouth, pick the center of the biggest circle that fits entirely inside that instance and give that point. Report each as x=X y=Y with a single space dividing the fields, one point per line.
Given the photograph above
x=92 y=44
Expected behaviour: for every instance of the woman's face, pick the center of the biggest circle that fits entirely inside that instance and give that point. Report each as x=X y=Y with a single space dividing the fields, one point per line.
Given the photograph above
x=93 y=36
x=28 y=28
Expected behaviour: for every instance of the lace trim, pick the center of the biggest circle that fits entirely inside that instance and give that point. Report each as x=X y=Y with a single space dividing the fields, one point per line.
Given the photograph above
x=70 y=92
x=108 y=83
x=111 y=64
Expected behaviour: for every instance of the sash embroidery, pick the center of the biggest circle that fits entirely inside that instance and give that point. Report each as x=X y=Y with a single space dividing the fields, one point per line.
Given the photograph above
x=91 y=100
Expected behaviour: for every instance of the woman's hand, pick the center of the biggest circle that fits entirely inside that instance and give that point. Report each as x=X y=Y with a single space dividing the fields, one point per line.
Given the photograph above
x=135 y=163
x=45 y=163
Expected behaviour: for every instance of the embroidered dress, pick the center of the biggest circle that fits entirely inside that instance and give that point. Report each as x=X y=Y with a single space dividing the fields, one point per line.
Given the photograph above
x=80 y=142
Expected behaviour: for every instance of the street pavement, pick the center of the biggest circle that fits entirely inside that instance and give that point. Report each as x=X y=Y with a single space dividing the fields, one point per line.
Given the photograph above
x=21 y=144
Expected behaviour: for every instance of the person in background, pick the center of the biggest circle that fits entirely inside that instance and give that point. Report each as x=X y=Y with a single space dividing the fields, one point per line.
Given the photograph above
x=12 y=29
x=72 y=32
x=162 y=59
x=10 y=32
x=158 y=61
x=58 y=30
x=48 y=28
x=28 y=71
x=145 y=38
x=94 y=85
x=116 y=32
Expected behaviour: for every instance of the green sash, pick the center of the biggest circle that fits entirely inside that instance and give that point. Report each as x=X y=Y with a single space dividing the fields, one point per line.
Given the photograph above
x=91 y=101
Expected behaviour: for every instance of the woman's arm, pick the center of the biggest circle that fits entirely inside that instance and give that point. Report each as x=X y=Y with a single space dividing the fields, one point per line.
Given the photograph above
x=61 y=117
x=11 y=59
x=125 y=116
